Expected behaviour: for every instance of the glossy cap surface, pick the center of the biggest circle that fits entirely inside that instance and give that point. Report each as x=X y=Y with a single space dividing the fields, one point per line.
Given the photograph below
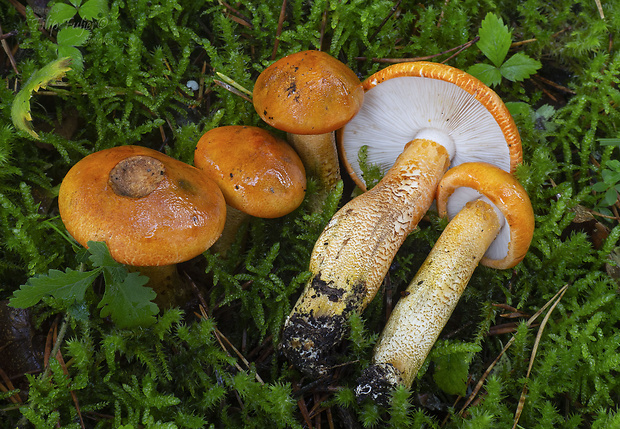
x=259 y=174
x=174 y=214
x=308 y=92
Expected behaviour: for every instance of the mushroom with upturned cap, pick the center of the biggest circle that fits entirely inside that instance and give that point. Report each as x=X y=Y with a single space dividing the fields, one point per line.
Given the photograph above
x=259 y=174
x=492 y=222
x=151 y=210
x=309 y=95
x=420 y=117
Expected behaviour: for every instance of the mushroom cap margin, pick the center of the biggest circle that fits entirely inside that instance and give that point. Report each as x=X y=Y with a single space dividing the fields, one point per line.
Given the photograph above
x=441 y=72
x=503 y=190
x=177 y=221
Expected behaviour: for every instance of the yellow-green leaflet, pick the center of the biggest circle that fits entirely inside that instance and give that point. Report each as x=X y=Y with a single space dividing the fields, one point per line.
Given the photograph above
x=20 y=111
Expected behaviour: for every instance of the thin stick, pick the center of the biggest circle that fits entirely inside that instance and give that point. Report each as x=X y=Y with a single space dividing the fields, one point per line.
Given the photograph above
x=279 y=30
x=424 y=58
x=600 y=8
x=15 y=398
x=529 y=322
x=219 y=337
x=5 y=46
x=392 y=12
x=232 y=89
x=532 y=357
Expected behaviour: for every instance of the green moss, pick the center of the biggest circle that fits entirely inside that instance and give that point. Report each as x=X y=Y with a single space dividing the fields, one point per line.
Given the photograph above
x=132 y=90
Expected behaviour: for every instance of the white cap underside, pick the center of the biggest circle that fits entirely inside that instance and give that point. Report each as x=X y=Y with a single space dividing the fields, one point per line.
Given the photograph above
x=397 y=110
x=461 y=196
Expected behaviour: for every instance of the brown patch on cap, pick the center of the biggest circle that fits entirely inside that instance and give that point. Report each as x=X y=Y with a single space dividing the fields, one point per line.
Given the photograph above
x=181 y=215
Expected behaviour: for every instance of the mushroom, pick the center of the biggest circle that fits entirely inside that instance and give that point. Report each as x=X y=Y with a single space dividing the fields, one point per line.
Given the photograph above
x=259 y=174
x=151 y=210
x=435 y=115
x=309 y=95
x=492 y=222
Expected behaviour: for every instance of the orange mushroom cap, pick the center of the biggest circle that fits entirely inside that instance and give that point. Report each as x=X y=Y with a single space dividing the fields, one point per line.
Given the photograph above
x=469 y=181
x=406 y=99
x=259 y=174
x=308 y=92
x=150 y=209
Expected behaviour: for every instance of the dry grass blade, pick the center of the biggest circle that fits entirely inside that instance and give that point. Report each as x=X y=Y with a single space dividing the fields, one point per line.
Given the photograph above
x=221 y=338
x=533 y=356
x=529 y=322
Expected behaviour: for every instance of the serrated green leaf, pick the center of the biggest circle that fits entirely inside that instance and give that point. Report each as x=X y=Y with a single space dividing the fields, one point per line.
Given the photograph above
x=69 y=286
x=495 y=39
x=94 y=9
x=59 y=14
x=20 y=110
x=451 y=373
x=74 y=53
x=72 y=36
x=519 y=67
x=128 y=303
x=100 y=255
x=487 y=73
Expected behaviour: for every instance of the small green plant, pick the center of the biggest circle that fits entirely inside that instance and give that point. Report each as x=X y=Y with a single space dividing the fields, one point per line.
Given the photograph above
x=125 y=300
x=495 y=40
x=71 y=34
x=609 y=188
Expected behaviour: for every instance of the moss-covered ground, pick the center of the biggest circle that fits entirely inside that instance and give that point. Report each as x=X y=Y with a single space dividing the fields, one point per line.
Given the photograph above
x=215 y=362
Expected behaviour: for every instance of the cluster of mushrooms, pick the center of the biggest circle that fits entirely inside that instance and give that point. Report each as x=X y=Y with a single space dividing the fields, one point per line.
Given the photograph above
x=438 y=134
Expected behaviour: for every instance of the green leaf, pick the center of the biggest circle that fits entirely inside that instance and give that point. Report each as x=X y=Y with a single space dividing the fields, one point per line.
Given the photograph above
x=94 y=9
x=20 y=110
x=77 y=61
x=519 y=67
x=487 y=73
x=100 y=255
x=59 y=14
x=72 y=36
x=128 y=303
x=495 y=39
x=69 y=286
x=451 y=373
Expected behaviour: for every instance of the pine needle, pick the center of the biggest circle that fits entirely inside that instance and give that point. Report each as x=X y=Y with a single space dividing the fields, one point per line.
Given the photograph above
x=533 y=355
x=554 y=300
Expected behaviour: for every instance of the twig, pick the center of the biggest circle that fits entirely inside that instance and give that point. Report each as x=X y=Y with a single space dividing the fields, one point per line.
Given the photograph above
x=7 y=35
x=240 y=18
x=15 y=398
x=7 y=50
x=219 y=337
x=232 y=86
x=279 y=30
x=533 y=356
x=323 y=26
x=392 y=12
x=529 y=322
x=427 y=57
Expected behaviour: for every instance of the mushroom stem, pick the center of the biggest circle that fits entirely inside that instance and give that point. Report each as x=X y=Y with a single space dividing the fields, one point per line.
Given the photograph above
x=423 y=311
x=234 y=219
x=354 y=252
x=320 y=158
x=166 y=282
